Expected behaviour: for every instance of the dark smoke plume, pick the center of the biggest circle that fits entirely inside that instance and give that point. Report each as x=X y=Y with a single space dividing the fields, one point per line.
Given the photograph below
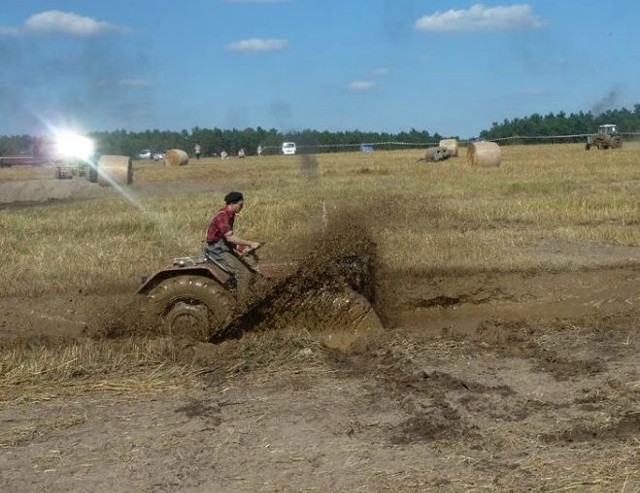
x=606 y=103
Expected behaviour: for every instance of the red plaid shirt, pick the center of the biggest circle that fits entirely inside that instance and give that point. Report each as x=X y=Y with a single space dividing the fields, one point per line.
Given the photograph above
x=221 y=225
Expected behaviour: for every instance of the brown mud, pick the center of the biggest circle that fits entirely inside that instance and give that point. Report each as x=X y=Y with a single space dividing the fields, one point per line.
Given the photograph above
x=473 y=381
x=479 y=381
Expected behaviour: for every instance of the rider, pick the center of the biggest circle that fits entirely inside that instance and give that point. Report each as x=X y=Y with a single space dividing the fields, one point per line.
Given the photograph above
x=223 y=245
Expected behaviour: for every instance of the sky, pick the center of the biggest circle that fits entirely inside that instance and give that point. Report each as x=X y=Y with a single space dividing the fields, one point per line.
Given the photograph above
x=448 y=67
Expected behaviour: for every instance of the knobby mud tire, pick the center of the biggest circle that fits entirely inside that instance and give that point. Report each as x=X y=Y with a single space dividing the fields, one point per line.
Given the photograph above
x=193 y=307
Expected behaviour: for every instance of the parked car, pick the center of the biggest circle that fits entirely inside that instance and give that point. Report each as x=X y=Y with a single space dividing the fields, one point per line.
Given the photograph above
x=288 y=148
x=149 y=154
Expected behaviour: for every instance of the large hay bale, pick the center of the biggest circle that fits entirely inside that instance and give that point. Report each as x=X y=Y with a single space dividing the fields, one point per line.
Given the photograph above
x=115 y=170
x=435 y=154
x=451 y=145
x=176 y=157
x=484 y=154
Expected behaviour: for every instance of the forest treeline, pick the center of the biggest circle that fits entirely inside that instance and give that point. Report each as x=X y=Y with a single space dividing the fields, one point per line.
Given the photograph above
x=214 y=141
x=628 y=121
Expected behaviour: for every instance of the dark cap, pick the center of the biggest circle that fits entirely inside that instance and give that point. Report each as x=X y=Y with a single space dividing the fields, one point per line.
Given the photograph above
x=233 y=197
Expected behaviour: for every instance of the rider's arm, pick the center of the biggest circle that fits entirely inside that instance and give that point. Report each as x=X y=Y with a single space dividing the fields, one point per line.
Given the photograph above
x=236 y=240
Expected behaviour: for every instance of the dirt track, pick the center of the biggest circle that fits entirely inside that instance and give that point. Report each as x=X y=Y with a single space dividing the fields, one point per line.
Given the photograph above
x=480 y=381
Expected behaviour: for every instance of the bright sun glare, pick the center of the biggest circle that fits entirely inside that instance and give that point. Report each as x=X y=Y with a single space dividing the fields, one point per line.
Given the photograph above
x=74 y=146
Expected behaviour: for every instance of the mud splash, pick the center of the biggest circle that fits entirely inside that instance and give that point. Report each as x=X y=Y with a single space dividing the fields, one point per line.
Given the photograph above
x=332 y=291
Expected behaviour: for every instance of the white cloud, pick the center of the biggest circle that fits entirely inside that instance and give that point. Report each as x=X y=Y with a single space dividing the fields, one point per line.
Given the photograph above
x=480 y=18
x=8 y=31
x=258 y=45
x=58 y=22
x=134 y=82
x=361 y=85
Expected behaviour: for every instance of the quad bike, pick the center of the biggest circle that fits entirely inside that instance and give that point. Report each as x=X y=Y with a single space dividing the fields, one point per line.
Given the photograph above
x=196 y=297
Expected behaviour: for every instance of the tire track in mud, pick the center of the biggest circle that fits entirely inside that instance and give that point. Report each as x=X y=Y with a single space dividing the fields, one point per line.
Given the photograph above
x=620 y=428
x=514 y=384
x=437 y=404
x=565 y=329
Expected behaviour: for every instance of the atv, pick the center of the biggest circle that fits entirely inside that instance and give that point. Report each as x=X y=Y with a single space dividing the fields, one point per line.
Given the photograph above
x=196 y=297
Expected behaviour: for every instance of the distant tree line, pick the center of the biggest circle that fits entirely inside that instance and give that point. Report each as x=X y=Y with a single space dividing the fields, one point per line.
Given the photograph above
x=563 y=124
x=214 y=141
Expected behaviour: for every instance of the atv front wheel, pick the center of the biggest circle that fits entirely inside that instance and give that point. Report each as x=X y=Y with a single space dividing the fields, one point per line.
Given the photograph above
x=195 y=307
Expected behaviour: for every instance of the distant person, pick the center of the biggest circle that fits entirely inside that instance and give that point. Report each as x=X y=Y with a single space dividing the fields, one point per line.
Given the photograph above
x=197 y=150
x=223 y=154
x=241 y=153
x=224 y=245
x=259 y=150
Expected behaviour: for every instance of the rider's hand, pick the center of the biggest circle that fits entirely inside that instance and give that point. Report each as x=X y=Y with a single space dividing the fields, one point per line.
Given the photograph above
x=254 y=245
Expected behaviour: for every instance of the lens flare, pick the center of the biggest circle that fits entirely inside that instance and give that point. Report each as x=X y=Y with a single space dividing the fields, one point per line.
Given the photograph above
x=70 y=145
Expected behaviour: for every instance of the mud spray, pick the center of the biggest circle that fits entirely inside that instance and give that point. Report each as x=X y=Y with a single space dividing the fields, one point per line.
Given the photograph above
x=332 y=294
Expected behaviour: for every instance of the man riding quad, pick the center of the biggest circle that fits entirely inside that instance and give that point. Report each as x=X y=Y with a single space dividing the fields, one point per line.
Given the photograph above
x=222 y=294
x=225 y=247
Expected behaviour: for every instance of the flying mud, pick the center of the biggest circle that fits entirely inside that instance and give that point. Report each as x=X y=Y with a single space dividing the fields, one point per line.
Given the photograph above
x=332 y=292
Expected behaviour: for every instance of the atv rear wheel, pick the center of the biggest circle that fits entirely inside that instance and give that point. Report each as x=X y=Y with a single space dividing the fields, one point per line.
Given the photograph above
x=195 y=307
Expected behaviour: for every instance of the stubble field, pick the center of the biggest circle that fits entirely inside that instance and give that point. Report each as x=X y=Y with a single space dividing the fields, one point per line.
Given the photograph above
x=508 y=360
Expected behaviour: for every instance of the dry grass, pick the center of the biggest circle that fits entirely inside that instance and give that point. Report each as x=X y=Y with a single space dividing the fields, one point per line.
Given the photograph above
x=33 y=368
x=434 y=217
x=431 y=217
x=139 y=362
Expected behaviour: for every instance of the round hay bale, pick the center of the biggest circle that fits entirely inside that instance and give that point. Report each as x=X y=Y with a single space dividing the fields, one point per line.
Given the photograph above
x=435 y=154
x=451 y=145
x=484 y=154
x=115 y=170
x=176 y=157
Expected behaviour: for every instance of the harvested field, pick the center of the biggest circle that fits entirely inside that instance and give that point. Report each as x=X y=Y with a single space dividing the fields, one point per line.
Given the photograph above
x=507 y=359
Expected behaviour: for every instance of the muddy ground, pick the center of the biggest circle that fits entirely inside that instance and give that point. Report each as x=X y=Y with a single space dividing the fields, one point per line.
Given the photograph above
x=485 y=381
x=479 y=381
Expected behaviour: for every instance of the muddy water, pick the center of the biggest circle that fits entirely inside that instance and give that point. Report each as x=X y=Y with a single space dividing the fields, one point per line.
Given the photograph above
x=463 y=303
x=320 y=300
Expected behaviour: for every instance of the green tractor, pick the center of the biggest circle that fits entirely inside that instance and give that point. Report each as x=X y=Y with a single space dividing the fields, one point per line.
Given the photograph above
x=606 y=138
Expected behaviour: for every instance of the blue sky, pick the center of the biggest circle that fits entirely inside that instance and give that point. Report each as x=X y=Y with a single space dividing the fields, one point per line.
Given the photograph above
x=451 y=67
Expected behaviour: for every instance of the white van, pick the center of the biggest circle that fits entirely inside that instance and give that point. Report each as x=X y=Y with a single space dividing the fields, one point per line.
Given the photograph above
x=288 y=148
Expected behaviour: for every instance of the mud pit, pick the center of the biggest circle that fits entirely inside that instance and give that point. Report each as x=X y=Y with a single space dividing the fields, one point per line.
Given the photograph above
x=479 y=381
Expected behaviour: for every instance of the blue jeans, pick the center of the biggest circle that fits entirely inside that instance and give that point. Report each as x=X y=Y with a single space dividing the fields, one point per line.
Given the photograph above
x=222 y=252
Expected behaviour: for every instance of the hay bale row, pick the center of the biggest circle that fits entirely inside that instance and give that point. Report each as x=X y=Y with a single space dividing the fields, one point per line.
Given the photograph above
x=451 y=145
x=115 y=170
x=435 y=154
x=176 y=157
x=485 y=154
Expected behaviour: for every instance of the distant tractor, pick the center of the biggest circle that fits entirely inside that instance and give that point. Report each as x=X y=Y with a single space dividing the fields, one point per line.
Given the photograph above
x=606 y=138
